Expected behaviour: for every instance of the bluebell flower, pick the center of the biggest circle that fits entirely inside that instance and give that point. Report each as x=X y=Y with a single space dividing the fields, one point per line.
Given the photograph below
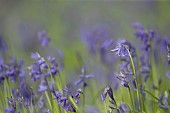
x=110 y=93
x=2 y=78
x=35 y=71
x=77 y=95
x=69 y=90
x=42 y=86
x=51 y=86
x=3 y=45
x=12 y=70
x=134 y=84
x=165 y=42
x=41 y=102
x=164 y=103
x=1 y=60
x=46 y=111
x=124 y=65
x=168 y=74
x=12 y=102
x=74 y=94
x=151 y=33
x=168 y=55
x=11 y=73
x=35 y=56
x=108 y=90
x=9 y=110
x=63 y=101
x=57 y=94
x=40 y=67
x=124 y=108
x=146 y=78
x=68 y=106
x=137 y=25
x=53 y=68
x=112 y=107
x=145 y=36
x=103 y=96
x=16 y=94
x=123 y=79
x=25 y=91
x=83 y=77
x=43 y=38
x=145 y=64
x=53 y=61
x=121 y=48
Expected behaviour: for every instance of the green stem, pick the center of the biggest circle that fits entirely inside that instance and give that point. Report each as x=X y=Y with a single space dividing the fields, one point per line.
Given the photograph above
x=83 y=97
x=151 y=70
x=105 y=106
x=135 y=78
x=140 y=82
x=152 y=96
x=131 y=98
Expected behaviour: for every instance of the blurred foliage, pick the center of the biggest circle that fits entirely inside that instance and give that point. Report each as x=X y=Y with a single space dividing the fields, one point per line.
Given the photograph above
x=63 y=21
x=21 y=20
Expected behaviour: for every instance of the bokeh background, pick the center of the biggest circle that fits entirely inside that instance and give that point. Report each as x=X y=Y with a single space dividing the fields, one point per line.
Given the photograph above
x=66 y=21
x=66 y=24
x=63 y=21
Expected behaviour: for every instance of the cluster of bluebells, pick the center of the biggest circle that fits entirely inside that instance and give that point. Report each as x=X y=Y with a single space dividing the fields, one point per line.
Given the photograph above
x=123 y=49
x=40 y=72
x=122 y=108
x=144 y=35
x=142 y=67
x=135 y=70
x=40 y=68
x=12 y=70
x=64 y=101
x=123 y=80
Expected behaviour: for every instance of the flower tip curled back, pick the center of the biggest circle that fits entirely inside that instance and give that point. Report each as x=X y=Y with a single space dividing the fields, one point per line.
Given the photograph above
x=122 y=48
x=112 y=107
x=108 y=90
x=102 y=96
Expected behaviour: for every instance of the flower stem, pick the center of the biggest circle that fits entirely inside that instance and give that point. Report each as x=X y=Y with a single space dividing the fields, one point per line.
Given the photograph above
x=135 y=78
x=131 y=98
x=105 y=106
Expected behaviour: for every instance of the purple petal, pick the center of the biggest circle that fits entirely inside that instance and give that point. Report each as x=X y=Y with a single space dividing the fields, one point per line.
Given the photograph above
x=168 y=74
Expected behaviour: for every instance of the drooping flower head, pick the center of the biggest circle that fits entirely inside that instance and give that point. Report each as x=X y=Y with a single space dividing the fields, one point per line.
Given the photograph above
x=121 y=48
